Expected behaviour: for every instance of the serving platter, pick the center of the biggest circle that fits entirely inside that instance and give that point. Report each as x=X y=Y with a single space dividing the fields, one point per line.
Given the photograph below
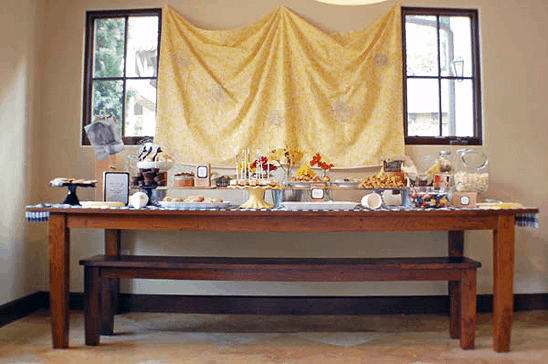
x=347 y=184
x=300 y=184
x=193 y=205
x=326 y=206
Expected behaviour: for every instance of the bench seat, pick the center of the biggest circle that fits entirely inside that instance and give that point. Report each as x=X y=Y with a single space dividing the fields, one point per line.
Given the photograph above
x=99 y=269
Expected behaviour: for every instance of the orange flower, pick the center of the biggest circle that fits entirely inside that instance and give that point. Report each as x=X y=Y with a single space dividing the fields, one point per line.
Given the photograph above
x=317 y=160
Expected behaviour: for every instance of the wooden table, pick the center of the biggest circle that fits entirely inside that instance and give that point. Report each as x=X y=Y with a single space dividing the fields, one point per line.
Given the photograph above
x=455 y=221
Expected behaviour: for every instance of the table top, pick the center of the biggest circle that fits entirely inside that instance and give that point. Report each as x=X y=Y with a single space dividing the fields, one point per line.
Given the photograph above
x=280 y=220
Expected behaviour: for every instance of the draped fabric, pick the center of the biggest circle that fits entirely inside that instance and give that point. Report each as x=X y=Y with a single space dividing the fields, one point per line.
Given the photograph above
x=280 y=82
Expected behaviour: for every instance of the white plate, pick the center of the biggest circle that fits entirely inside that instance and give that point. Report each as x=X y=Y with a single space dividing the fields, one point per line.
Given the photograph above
x=331 y=205
x=193 y=205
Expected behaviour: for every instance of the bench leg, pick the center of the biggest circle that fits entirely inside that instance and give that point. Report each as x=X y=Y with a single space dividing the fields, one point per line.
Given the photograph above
x=92 y=308
x=110 y=287
x=109 y=304
x=455 y=249
x=454 y=310
x=468 y=310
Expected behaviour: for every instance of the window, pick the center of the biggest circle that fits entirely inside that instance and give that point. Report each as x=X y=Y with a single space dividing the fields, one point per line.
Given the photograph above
x=121 y=70
x=441 y=76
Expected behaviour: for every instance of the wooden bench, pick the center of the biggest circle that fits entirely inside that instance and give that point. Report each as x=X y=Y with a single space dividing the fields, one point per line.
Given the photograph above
x=98 y=270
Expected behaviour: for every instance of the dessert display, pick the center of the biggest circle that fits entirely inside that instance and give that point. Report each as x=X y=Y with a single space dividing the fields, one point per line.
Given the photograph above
x=72 y=184
x=183 y=179
x=194 y=198
x=254 y=173
x=152 y=156
x=149 y=177
x=63 y=182
x=195 y=201
x=384 y=180
x=254 y=182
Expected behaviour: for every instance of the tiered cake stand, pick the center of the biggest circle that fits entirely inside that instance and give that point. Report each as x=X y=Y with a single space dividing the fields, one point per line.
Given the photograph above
x=256 y=199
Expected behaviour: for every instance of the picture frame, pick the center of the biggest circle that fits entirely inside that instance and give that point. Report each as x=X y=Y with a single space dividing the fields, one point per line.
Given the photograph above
x=116 y=187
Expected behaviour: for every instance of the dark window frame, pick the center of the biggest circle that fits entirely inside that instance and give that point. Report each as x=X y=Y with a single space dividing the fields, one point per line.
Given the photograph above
x=91 y=16
x=477 y=139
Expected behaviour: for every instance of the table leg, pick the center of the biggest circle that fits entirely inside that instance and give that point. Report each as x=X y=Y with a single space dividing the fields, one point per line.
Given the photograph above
x=468 y=314
x=110 y=286
x=456 y=249
x=503 y=282
x=59 y=249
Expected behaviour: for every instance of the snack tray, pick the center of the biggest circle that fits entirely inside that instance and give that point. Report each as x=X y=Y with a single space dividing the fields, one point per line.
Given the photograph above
x=193 y=205
x=330 y=205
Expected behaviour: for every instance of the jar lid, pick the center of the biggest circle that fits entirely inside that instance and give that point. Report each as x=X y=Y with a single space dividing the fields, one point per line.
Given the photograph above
x=474 y=159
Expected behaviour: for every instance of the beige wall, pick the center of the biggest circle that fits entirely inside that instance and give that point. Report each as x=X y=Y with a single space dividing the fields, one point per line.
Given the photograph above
x=21 y=23
x=514 y=88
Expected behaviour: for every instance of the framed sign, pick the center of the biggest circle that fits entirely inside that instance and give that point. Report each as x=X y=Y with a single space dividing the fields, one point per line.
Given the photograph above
x=203 y=175
x=116 y=186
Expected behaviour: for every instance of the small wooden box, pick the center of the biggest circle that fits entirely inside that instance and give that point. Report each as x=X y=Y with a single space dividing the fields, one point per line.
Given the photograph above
x=464 y=199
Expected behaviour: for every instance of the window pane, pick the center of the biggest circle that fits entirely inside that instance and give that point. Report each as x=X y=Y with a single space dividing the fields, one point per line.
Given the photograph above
x=108 y=97
x=421 y=45
x=140 y=108
x=142 y=51
x=458 y=108
x=456 y=45
x=108 y=56
x=423 y=107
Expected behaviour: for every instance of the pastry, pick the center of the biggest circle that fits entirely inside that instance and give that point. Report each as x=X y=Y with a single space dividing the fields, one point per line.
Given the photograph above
x=194 y=198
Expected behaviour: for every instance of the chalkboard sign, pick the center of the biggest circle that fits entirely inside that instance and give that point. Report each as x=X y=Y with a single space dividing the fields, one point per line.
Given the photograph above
x=116 y=186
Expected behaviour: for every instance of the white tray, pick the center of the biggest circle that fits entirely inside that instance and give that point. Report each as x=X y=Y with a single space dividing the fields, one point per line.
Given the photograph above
x=331 y=205
x=194 y=205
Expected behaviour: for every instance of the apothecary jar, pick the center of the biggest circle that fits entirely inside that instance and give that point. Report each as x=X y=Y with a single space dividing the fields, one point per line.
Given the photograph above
x=471 y=171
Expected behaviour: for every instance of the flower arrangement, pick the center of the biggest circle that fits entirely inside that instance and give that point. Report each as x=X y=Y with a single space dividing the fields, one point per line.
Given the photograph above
x=317 y=160
x=262 y=166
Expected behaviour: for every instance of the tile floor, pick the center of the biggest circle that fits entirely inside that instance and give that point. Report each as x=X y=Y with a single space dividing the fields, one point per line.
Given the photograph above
x=192 y=338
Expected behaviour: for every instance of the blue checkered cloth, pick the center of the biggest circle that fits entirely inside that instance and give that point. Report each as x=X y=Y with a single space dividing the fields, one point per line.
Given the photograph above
x=527 y=220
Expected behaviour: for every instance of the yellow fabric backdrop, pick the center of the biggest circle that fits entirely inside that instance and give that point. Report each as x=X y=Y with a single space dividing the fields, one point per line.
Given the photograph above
x=280 y=82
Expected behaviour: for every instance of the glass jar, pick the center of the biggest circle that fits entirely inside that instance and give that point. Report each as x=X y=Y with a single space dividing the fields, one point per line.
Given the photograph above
x=446 y=161
x=471 y=171
x=445 y=166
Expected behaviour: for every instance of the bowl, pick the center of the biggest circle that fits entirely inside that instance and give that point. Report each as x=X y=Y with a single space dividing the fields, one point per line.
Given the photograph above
x=428 y=198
